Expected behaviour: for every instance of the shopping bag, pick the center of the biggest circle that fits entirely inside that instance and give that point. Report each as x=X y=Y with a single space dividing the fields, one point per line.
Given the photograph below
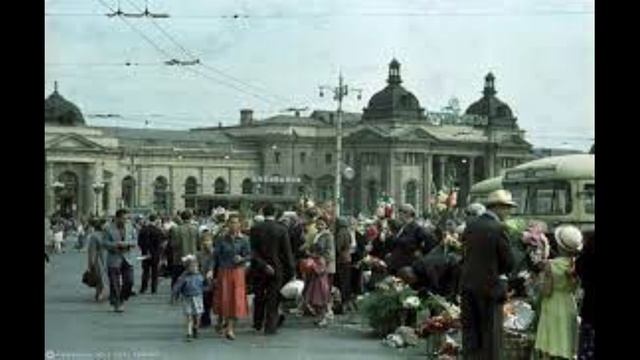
x=292 y=289
x=90 y=278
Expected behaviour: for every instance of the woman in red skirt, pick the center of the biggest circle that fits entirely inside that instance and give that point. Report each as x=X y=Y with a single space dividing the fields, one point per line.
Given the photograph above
x=231 y=256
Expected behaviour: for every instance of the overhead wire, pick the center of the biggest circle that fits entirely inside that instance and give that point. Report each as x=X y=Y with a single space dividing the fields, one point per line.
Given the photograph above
x=169 y=56
x=203 y=64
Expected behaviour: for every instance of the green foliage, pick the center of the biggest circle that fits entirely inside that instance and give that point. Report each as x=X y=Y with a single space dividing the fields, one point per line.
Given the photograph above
x=383 y=309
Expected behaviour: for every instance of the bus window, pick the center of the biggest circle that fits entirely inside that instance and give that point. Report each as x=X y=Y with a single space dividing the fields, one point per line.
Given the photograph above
x=589 y=197
x=550 y=198
x=519 y=195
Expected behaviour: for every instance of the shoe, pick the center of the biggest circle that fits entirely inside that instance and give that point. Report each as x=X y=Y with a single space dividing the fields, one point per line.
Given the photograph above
x=257 y=327
x=142 y=291
x=119 y=308
x=188 y=338
x=229 y=335
x=322 y=323
x=219 y=328
x=270 y=332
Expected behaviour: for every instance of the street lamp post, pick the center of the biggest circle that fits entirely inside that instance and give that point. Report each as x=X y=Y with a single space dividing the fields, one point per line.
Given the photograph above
x=338 y=94
x=97 y=188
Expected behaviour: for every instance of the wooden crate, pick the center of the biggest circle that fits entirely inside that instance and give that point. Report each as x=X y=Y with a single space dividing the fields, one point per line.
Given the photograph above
x=517 y=346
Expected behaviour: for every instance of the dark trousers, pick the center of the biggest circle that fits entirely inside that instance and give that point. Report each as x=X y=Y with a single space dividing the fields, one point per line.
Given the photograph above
x=343 y=281
x=207 y=301
x=481 y=326
x=266 y=290
x=120 y=283
x=176 y=271
x=150 y=267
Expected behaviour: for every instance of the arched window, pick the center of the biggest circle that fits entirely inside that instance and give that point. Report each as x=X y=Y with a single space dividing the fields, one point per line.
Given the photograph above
x=372 y=195
x=190 y=190
x=160 y=194
x=247 y=187
x=128 y=191
x=220 y=186
x=68 y=194
x=411 y=193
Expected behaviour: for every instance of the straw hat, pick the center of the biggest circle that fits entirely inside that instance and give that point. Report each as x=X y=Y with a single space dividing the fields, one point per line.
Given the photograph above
x=501 y=197
x=569 y=238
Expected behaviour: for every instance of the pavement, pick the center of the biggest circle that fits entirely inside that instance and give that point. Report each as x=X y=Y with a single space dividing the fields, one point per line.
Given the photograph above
x=76 y=327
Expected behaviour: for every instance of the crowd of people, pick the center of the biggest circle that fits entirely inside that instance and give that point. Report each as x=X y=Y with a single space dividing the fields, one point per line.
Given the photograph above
x=216 y=262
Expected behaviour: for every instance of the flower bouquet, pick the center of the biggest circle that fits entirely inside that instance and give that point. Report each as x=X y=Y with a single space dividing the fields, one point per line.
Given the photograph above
x=386 y=307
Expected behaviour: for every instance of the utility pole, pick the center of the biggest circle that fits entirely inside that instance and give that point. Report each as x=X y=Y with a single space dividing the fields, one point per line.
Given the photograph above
x=339 y=93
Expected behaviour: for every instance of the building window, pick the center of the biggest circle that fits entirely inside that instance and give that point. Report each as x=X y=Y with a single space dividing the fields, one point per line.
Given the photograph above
x=160 y=194
x=190 y=190
x=303 y=157
x=328 y=158
x=372 y=192
x=247 y=187
x=277 y=157
x=277 y=190
x=128 y=188
x=220 y=186
x=411 y=193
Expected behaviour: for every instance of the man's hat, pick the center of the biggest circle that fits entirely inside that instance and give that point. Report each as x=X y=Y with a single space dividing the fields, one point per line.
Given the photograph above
x=501 y=197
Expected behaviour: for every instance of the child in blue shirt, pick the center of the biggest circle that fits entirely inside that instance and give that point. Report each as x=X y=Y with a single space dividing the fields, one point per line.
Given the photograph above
x=189 y=287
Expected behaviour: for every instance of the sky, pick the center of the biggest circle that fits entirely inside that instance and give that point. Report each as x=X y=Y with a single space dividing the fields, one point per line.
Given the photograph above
x=274 y=54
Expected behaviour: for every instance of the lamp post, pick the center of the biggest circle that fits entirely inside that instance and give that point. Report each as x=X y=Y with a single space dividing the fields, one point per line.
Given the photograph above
x=338 y=94
x=97 y=188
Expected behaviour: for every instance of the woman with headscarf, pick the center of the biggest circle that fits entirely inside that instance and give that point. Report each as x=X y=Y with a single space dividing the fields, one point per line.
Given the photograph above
x=96 y=257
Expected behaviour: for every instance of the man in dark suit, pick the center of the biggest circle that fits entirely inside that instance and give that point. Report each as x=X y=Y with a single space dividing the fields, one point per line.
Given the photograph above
x=411 y=241
x=273 y=266
x=487 y=258
x=150 y=241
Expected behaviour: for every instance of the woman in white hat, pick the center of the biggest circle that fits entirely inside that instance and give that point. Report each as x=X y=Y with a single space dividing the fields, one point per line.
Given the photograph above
x=558 y=325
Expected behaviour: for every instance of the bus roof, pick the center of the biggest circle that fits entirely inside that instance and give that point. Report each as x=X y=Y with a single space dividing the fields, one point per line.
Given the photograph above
x=487 y=185
x=577 y=166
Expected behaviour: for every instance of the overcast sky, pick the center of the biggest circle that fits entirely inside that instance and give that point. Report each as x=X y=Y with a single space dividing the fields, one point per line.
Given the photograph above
x=275 y=54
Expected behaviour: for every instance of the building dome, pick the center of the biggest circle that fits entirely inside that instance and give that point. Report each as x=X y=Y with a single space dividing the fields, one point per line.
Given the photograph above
x=394 y=101
x=59 y=111
x=489 y=106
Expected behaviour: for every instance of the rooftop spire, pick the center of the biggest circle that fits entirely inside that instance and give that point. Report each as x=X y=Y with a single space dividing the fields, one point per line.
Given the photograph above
x=55 y=86
x=489 y=85
x=394 y=73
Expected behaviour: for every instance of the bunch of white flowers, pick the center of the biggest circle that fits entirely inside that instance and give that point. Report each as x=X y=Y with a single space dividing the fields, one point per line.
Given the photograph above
x=411 y=302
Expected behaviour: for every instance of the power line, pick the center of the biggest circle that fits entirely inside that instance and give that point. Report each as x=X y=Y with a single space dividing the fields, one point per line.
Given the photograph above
x=167 y=55
x=209 y=67
x=364 y=14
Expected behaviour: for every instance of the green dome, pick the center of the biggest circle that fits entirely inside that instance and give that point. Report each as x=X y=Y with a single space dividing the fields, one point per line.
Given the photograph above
x=59 y=111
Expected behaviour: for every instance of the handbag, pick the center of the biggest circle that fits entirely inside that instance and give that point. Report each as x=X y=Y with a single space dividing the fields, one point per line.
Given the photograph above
x=90 y=278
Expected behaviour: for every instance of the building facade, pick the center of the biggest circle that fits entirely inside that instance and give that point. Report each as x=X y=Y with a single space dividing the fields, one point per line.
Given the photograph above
x=394 y=146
